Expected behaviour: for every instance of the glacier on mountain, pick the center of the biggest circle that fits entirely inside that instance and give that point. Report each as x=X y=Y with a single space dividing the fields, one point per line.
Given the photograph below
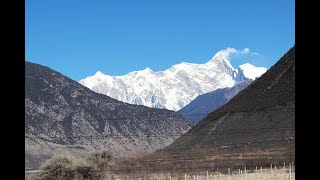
x=177 y=86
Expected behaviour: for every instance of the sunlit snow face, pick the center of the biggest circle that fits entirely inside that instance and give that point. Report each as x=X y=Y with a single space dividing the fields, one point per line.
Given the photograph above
x=177 y=86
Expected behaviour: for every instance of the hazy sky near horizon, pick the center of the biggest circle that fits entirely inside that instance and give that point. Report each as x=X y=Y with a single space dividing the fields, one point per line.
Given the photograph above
x=78 y=38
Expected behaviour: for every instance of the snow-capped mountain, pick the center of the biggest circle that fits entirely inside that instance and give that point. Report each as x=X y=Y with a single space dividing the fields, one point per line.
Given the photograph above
x=175 y=87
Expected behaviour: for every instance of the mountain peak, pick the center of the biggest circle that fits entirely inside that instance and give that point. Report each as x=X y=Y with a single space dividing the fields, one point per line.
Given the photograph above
x=246 y=65
x=99 y=73
x=252 y=72
x=147 y=70
x=223 y=56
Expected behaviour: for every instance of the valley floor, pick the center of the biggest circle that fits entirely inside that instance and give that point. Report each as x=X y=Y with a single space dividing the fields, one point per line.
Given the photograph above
x=274 y=173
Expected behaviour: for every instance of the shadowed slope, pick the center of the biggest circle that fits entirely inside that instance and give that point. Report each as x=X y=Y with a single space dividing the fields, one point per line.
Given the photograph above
x=63 y=116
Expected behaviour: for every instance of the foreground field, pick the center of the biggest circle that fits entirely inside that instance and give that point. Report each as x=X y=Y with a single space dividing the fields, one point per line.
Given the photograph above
x=284 y=172
x=272 y=173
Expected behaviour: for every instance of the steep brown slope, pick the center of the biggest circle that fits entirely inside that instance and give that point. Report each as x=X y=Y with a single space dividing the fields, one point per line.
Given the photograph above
x=256 y=127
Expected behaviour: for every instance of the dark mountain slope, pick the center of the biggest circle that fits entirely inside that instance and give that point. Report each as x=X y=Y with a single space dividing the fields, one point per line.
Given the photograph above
x=256 y=127
x=62 y=116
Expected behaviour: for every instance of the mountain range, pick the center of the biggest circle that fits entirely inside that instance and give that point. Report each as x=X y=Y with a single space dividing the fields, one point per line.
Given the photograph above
x=177 y=86
x=63 y=116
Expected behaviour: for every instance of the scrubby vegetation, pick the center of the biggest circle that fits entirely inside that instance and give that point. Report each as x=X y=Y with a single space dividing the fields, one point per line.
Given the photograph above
x=66 y=167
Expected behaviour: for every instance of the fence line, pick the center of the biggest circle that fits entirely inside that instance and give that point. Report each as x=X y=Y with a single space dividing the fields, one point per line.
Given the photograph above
x=284 y=172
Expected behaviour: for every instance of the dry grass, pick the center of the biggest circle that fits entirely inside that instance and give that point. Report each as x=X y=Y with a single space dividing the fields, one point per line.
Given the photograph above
x=259 y=174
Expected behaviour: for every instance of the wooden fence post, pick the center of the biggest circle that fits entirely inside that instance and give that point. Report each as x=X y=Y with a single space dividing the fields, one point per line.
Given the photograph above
x=289 y=171
x=292 y=167
x=283 y=169
x=245 y=172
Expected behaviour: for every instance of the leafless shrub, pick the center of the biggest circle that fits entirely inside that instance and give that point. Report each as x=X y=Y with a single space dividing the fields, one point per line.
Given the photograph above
x=59 y=167
x=101 y=162
x=66 y=167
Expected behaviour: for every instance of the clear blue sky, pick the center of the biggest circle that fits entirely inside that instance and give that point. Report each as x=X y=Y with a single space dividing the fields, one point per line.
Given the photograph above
x=80 y=37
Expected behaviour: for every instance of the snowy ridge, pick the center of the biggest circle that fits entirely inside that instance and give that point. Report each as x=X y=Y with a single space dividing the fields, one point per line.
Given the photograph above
x=251 y=71
x=175 y=87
